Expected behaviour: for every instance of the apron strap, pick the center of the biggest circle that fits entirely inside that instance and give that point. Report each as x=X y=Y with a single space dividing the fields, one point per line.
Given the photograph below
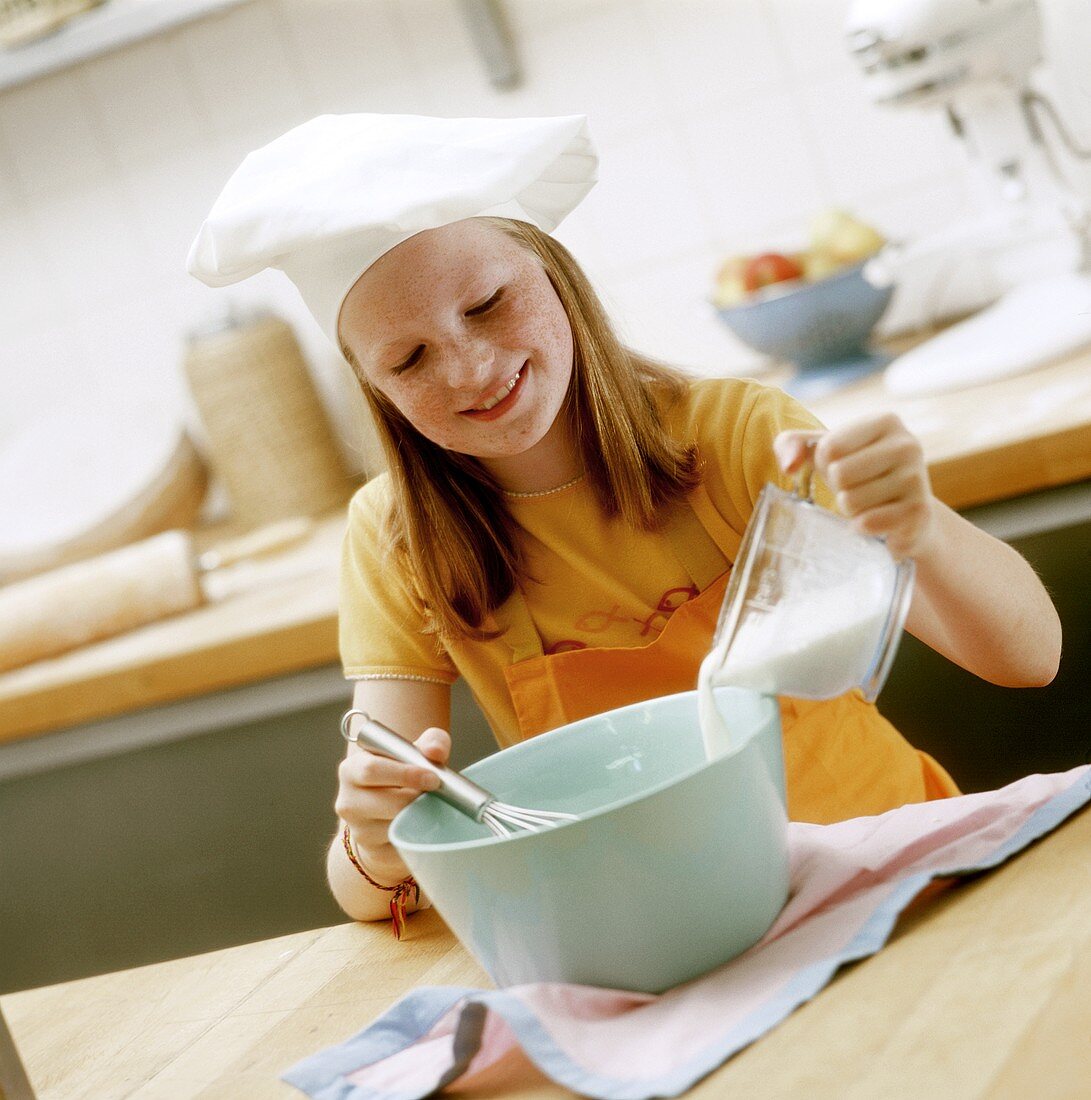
x=699 y=538
x=514 y=619
x=726 y=538
x=695 y=544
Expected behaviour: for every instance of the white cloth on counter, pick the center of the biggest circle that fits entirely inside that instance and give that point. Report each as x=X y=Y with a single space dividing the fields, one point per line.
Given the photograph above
x=850 y=883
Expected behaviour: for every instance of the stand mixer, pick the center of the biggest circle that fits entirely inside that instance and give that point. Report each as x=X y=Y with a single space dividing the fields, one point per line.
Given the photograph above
x=977 y=60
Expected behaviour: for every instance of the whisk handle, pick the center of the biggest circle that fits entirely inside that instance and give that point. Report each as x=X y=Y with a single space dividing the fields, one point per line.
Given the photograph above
x=462 y=793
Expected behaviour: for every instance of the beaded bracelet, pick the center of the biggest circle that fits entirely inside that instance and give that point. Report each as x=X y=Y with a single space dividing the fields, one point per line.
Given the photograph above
x=400 y=890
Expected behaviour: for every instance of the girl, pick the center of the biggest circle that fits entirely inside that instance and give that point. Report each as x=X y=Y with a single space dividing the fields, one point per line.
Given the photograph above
x=560 y=514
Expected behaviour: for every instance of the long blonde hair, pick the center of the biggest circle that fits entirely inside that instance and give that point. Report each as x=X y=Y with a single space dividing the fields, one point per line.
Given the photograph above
x=449 y=517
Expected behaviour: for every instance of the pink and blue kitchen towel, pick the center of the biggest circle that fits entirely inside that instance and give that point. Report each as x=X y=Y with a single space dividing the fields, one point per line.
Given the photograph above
x=850 y=882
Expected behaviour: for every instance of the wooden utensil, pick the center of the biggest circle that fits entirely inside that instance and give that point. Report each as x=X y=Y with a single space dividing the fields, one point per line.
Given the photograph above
x=97 y=598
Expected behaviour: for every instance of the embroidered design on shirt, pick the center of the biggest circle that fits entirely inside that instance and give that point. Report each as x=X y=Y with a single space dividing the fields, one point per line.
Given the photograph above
x=669 y=602
x=595 y=622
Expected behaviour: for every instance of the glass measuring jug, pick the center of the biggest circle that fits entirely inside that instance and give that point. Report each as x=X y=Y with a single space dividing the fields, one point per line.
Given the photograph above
x=813 y=608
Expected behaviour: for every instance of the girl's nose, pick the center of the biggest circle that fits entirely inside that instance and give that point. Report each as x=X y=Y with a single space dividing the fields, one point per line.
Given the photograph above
x=470 y=364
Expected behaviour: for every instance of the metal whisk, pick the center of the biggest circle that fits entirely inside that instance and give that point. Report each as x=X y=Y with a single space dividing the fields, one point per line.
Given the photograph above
x=455 y=789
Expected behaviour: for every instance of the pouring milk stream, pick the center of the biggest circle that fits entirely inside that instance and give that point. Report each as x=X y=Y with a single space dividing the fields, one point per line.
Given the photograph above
x=813 y=609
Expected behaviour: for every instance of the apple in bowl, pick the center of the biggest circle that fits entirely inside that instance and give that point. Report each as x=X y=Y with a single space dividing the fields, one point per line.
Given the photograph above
x=769 y=268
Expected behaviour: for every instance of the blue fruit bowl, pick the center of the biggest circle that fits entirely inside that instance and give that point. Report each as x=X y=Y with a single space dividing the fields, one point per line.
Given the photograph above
x=821 y=327
x=675 y=864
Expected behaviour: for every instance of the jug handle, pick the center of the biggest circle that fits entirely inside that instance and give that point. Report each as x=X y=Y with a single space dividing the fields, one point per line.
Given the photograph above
x=805 y=473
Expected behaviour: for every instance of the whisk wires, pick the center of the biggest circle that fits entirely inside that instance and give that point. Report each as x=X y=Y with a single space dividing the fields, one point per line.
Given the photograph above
x=505 y=820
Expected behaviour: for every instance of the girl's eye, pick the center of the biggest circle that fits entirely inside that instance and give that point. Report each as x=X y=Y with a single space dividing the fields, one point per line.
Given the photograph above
x=486 y=305
x=413 y=358
x=418 y=351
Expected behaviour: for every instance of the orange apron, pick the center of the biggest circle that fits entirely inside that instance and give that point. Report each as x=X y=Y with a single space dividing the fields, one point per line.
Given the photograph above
x=842 y=758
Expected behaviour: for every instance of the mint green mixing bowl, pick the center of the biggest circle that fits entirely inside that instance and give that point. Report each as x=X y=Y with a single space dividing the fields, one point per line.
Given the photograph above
x=675 y=866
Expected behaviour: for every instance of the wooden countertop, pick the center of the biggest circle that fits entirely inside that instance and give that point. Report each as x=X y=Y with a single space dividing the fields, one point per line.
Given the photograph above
x=993 y=442
x=982 y=444
x=982 y=992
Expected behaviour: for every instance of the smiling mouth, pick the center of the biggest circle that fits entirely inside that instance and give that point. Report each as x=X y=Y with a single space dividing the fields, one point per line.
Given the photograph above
x=495 y=399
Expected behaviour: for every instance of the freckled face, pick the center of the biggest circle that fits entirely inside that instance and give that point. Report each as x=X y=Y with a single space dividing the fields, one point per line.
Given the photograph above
x=462 y=331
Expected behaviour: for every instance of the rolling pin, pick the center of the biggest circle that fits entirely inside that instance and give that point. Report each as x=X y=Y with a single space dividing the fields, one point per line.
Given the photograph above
x=86 y=601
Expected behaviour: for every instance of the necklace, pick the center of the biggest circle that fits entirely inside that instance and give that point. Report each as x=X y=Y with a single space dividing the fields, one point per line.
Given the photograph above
x=543 y=492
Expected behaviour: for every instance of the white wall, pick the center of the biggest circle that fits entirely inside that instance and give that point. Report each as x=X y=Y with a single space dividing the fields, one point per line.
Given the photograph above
x=722 y=125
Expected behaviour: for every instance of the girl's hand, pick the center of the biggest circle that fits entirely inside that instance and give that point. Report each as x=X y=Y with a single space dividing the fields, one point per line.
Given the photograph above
x=373 y=789
x=877 y=472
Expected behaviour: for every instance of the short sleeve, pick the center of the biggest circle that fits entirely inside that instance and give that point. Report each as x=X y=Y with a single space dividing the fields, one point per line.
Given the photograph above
x=771 y=413
x=381 y=623
x=735 y=423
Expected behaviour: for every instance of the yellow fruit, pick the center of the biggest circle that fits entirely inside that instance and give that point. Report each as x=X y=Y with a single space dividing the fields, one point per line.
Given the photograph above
x=817 y=264
x=730 y=289
x=843 y=236
x=729 y=292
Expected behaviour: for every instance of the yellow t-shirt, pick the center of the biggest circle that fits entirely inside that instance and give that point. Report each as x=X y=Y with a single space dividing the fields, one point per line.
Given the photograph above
x=597 y=582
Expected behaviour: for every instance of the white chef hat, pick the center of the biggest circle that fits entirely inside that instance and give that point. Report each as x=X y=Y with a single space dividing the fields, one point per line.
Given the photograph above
x=324 y=201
